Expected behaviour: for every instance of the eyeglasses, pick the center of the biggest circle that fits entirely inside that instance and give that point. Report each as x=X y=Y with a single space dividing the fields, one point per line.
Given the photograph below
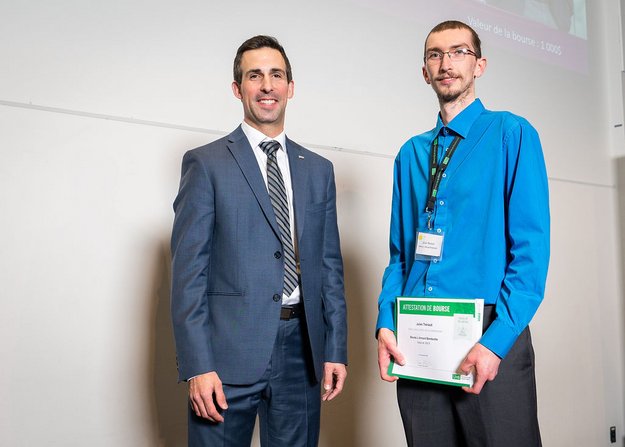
x=456 y=55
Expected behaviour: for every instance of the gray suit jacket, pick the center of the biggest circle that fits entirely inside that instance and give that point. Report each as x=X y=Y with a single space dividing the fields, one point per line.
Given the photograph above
x=227 y=263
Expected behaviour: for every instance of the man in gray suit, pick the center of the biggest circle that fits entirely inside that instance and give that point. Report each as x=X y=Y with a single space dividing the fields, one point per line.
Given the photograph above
x=257 y=287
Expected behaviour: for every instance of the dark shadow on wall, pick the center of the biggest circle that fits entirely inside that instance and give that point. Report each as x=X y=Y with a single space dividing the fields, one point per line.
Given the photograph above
x=620 y=194
x=340 y=422
x=169 y=404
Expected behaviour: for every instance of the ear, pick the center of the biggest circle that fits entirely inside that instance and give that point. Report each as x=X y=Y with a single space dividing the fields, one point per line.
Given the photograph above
x=426 y=76
x=480 y=67
x=236 y=89
x=291 y=89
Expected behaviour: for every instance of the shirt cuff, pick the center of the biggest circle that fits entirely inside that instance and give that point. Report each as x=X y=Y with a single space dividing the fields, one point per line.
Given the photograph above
x=499 y=338
x=385 y=320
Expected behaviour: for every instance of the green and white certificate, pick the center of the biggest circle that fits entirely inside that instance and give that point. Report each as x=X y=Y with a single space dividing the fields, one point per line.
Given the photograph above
x=435 y=335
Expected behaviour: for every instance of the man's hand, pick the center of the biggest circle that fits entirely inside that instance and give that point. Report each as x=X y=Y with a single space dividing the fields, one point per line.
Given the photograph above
x=484 y=363
x=387 y=349
x=334 y=375
x=204 y=391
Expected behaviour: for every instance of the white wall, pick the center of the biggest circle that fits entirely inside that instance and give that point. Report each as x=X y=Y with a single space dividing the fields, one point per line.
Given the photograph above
x=98 y=102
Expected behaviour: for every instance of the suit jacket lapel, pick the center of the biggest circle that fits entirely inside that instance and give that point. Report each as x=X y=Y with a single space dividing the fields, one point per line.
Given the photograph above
x=240 y=148
x=299 y=180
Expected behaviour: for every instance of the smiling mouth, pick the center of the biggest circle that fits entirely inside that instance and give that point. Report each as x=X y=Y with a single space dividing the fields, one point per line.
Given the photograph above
x=267 y=101
x=447 y=80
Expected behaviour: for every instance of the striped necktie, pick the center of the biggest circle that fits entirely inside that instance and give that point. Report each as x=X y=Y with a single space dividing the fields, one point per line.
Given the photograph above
x=277 y=194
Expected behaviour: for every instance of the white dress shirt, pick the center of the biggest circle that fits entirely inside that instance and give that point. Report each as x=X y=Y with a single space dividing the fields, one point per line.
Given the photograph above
x=255 y=137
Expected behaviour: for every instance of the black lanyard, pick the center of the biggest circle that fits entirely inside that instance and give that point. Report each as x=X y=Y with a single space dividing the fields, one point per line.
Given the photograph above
x=437 y=170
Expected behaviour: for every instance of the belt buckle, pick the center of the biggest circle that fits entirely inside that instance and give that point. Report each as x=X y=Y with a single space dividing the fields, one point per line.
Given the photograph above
x=288 y=312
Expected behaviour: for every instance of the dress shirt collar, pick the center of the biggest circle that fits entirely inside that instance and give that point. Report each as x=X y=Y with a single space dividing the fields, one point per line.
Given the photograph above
x=462 y=123
x=255 y=136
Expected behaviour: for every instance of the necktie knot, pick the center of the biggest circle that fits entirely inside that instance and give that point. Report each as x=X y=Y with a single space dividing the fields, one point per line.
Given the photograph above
x=270 y=147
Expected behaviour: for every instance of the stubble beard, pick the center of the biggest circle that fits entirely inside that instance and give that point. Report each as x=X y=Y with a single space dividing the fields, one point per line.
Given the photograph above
x=447 y=97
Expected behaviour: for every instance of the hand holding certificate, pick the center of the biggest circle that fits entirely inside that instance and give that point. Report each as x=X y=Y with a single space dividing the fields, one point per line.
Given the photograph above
x=435 y=335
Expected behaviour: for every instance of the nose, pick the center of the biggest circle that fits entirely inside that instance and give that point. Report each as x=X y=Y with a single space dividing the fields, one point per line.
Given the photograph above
x=446 y=62
x=266 y=85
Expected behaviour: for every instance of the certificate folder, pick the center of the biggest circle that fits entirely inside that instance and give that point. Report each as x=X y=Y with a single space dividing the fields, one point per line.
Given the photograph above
x=435 y=335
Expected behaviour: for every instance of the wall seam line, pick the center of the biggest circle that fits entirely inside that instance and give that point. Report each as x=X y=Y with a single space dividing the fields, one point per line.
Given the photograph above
x=203 y=130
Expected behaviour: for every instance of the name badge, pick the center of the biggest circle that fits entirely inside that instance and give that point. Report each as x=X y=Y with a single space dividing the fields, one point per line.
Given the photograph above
x=429 y=246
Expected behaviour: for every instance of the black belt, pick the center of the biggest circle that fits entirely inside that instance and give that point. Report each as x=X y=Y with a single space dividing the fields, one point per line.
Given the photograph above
x=288 y=312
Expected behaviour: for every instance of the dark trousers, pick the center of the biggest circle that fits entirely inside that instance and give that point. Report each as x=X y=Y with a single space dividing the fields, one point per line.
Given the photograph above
x=287 y=401
x=504 y=414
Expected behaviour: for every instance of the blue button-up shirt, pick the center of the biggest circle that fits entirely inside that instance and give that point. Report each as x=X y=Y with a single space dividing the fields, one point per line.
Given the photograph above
x=492 y=207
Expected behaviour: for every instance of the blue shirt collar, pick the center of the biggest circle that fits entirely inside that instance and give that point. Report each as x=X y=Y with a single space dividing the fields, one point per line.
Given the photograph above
x=462 y=123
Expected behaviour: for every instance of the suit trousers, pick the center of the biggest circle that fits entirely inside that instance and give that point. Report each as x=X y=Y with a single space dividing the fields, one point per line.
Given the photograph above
x=287 y=400
x=503 y=414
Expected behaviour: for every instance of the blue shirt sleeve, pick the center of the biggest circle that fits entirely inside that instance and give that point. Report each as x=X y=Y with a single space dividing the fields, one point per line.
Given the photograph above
x=395 y=273
x=527 y=234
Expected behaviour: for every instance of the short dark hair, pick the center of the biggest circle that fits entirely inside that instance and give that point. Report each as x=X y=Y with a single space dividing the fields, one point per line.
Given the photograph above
x=456 y=24
x=255 y=43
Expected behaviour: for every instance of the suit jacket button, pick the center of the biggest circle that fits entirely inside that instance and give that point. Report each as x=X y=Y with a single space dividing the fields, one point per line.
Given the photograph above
x=277 y=255
x=276 y=297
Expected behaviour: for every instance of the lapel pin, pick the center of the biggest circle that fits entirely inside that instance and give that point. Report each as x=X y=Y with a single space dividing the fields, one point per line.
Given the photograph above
x=301 y=156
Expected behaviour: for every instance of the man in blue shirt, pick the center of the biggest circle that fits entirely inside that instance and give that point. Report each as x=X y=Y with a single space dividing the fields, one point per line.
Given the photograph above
x=485 y=192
